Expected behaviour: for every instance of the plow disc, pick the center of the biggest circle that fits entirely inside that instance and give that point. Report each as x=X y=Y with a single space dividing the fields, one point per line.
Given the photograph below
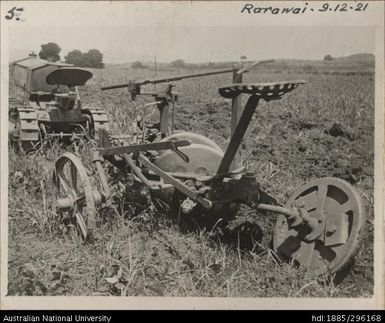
x=73 y=194
x=336 y=212
x=194 y=138
x=204 y=155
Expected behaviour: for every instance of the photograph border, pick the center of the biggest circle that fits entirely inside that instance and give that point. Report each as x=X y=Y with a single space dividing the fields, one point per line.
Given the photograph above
x=111 y=302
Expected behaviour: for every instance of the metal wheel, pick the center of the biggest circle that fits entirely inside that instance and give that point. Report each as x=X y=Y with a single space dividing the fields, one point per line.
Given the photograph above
x=339 y=228
x=73 y=193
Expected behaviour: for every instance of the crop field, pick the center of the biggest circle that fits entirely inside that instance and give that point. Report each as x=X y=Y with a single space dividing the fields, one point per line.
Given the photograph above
x=323 y=128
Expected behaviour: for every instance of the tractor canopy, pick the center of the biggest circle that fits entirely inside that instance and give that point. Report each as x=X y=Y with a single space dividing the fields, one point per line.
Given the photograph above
x=69 y=76
x=29 y=76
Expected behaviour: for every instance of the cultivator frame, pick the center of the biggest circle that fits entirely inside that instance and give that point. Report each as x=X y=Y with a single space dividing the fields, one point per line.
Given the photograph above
x=320 y=227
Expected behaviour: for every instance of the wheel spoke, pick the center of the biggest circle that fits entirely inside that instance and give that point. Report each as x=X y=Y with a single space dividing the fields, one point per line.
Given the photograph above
x=339 y=250
x=319 y=263
x=321 y=196
x=309 y=200
x=327 y=254
x=82 y=225
x=304 y=255
x=80 y=201
x=348 y=206
x=64 y=183
x=74 y=178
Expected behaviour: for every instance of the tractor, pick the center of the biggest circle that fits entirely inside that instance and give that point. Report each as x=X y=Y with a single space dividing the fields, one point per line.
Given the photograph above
x=46 y=104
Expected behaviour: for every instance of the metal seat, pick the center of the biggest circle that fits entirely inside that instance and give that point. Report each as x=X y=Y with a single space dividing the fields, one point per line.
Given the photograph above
x=266 y=91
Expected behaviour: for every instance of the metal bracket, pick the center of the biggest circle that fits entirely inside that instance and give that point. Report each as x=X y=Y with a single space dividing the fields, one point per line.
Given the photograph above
x=182 y=155
x=176 y=183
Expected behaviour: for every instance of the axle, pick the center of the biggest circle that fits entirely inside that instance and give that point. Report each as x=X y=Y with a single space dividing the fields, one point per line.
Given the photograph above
x=167 y=79
x=187 y=76
x=295 y=216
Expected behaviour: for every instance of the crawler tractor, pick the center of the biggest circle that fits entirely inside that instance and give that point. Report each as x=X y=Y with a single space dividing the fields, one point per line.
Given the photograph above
x=46 y=104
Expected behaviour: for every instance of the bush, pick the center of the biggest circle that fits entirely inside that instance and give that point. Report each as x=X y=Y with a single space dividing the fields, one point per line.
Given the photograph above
x=138 y=64
x=76 y=57
x=50 y=52
x=179 y=63
x=93 y=58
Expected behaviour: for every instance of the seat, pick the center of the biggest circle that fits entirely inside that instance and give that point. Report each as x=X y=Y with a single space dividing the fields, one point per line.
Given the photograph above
x=41 y=96
x=266 y=91
x=66 y=101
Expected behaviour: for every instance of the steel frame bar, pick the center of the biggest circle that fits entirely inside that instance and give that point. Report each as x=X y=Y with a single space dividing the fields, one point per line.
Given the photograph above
x=238 y=135
x=176 y=183
x=235 y=110
x=143 y=147
x=138 y=172
x=102 y=175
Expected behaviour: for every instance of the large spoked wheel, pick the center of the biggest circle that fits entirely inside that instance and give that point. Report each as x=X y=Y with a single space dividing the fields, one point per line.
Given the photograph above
x=73 y=194
x=339 y=227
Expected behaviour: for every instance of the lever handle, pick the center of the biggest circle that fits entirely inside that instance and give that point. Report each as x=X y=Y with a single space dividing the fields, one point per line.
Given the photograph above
x=182 y=155
x=247 y=69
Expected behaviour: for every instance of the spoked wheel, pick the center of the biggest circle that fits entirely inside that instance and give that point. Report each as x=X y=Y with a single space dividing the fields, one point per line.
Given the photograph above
x=73 y=194
x=338 y=227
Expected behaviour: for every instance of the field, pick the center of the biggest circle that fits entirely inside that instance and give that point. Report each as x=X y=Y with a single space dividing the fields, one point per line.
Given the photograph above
x=324 y=128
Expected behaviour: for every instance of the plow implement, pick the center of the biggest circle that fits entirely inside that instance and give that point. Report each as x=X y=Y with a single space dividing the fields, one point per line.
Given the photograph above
x=319 y=228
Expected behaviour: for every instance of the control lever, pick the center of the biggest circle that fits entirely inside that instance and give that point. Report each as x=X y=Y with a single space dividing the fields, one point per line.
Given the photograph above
x=182 y=155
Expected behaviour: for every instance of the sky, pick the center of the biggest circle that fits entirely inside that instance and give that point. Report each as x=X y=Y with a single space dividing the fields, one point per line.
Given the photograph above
x=126 y=32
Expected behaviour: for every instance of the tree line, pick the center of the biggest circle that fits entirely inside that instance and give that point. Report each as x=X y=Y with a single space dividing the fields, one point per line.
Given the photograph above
x=92 y=58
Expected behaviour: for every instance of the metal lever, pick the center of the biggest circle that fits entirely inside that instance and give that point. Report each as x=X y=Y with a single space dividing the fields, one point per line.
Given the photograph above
x=182 y=155
x=248 y=68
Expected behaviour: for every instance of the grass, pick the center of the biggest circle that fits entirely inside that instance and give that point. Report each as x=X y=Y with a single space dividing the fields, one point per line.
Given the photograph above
x=141 y=251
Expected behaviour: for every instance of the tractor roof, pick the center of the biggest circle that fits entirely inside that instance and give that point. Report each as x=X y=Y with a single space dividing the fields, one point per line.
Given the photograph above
x=70 y=76
x=35 y=63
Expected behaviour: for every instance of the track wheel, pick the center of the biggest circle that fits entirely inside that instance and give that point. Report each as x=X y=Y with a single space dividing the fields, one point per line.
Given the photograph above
x=19 y=144
x=73 y=194
x=338 y=227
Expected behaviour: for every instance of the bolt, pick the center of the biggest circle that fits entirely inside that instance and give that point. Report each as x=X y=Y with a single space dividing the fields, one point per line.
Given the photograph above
x=198 y=184
x=331 y=229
